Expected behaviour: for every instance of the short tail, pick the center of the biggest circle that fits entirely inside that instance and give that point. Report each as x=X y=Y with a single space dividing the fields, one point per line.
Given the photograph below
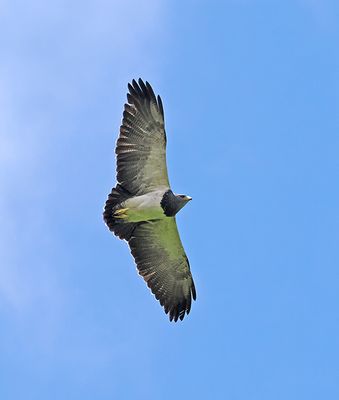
x=120 y=228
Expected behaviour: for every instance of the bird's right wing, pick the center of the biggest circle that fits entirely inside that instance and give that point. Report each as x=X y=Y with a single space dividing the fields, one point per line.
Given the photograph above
x=162 y=262
x=141 y=146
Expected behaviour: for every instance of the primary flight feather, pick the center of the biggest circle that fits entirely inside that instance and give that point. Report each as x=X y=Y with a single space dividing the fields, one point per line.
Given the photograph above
x=141 y=208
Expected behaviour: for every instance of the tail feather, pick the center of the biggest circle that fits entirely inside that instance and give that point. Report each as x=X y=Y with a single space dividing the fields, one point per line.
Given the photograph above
x=120 y=228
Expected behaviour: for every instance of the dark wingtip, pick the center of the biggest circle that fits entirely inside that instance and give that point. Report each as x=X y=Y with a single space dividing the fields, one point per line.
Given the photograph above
x=140 y=91
x=161 y=108
x=178 y=311
x=144 y=89
x=194 y=293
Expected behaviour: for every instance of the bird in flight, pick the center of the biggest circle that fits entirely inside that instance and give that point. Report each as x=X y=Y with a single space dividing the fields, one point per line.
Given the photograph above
x=141 y=208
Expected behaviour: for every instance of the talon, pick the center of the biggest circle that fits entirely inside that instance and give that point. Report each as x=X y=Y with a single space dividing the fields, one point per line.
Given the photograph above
x=121 y=213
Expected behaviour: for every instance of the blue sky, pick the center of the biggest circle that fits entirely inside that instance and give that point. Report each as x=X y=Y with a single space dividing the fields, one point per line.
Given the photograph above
x=251 y=97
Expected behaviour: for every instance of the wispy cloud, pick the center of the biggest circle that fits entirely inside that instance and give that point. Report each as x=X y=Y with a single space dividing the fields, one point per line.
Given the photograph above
x=51 y=60
x=18 y=162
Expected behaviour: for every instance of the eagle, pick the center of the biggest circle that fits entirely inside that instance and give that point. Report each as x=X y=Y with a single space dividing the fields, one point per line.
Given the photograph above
x=141 y=208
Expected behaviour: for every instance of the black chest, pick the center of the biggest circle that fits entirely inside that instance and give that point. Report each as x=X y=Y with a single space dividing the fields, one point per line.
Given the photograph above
x=170 y=204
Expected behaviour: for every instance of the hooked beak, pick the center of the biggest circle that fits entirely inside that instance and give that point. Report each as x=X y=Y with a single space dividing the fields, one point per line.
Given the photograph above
x=188 y=198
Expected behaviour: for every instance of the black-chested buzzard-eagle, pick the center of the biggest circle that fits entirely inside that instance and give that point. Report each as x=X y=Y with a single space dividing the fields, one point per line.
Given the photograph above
x=141 y=208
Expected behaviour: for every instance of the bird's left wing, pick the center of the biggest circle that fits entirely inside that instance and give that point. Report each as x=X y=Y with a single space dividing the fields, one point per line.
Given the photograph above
x=141 y=146
x=162 y=262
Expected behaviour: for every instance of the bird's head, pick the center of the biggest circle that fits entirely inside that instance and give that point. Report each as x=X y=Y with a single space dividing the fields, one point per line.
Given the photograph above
x=182 y=200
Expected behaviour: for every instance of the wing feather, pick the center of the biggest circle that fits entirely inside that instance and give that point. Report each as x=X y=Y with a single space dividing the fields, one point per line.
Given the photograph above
x=141 y=146
x=162 y=262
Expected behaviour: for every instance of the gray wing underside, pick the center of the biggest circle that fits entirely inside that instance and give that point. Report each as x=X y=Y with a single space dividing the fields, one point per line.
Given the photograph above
x=162 y=262
x=141 y=146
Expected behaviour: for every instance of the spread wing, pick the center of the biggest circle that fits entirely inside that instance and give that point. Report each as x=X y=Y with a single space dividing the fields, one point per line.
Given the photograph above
x=141 y=146
x=162 y=262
